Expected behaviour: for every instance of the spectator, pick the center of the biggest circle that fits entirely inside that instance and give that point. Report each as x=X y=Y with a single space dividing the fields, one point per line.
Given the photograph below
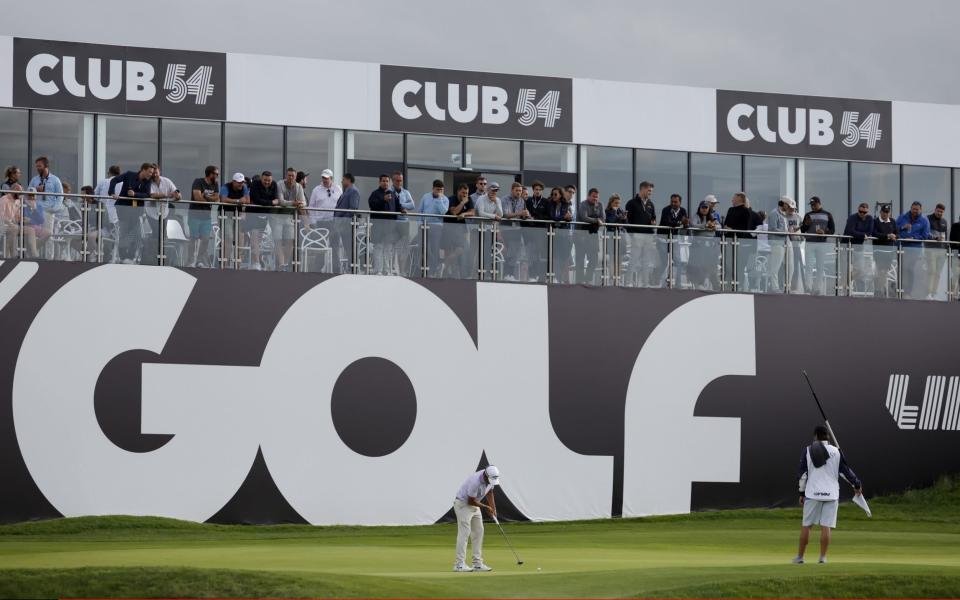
x=237 y=194
x=302 y=180
x=935 y=254
x=912 y=227
x=409 y=235
x=32 y=219
x=10 y=212
x=130 y=191
x=264 y=192
x=514 y=209
x=204 y=190
x=561 y=213
x=884 y=251
x=675 y=216
x=644 y=255
x=161 y=188
x=740 y=219
x=292 y=201
x=45 y=181
x=780 y=251
x=323 y=200
x=434 y=203
x=342 y=241
x=703 y=268
x=489 y=207
x=858 y=228
x=11 y=179
x=820 y=222
x=384 y=235
x=613 y=217
x=955 y=238
x=711 y=200
x=588 y=251
x=535 y=245
x=108 y=218
x=458 y=257
x=481 y=189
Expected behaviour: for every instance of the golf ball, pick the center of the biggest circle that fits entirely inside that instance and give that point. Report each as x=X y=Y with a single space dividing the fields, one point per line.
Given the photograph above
x=539 y=569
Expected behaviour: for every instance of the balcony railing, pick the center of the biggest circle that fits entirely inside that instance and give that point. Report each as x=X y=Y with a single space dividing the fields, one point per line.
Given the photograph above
x=245 y=236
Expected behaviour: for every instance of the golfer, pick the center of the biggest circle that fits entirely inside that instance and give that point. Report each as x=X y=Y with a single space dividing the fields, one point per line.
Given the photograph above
x=820 y=468
x=475 y=493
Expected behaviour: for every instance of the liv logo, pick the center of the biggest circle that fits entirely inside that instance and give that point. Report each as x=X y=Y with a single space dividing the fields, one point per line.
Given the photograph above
x=928 y=415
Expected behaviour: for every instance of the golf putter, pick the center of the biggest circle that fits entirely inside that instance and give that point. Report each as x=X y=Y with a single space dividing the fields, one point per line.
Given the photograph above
x=506 y=539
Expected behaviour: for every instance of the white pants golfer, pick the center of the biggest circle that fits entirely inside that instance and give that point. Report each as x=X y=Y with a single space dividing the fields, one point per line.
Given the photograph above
x=469 y=524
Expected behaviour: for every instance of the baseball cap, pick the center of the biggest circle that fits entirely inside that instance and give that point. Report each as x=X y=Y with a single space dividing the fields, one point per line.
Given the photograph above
x=815 y=199
x=789 y=201
x=327 y=173
x=493 y=186
x=238 y=177
x=710 y=199
x=703 y=204
x=493 y=474
x=885 y=208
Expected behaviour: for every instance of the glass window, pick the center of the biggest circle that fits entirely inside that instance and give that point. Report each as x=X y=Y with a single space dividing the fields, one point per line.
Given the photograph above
x=607 y=169
x=188 y=147
x=876 y=184
x=252 y=149
x=125 y=141
x=434 y=150
x=827 y=180
x=493 y=154
x=666 y=170
x=767 y=179
x=928 y=185
x=67 y=140
x=313 y=150
x=363 y=145
x=558 y=158
x=956 y=192
x=420 y=182
x=13 y=142
x=717 y=174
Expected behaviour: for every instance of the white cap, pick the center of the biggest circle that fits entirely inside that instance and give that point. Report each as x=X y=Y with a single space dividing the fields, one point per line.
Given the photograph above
x=239 y=178
x=789 y=201
x=710 y=198
x=327 y=173
x=493 y=474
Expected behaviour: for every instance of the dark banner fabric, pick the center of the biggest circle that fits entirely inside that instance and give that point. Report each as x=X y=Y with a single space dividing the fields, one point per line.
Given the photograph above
x=123 y=80
x=255 y=397
x=442 y=101
x=804 y=126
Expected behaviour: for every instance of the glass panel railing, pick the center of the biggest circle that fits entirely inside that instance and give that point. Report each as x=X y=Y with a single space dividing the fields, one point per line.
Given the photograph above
x=10 y=231
x=490 y=251
x=136 y=235
x=953 y=273
x=642 y=257
x=886 y=269
x=861 y=278
x=325 y=241
x=388 y=244
x=697 y=259
x=563 y=261
x=452 y=249
x=589 y=256
x=820 y=266
x=936 y=276
x=511 y=239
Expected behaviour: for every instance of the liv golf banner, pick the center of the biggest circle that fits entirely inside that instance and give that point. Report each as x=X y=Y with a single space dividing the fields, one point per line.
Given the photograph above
x=272 y=397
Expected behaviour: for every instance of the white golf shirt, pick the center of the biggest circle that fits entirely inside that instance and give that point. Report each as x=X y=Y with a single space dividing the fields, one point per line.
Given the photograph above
x=474 y=487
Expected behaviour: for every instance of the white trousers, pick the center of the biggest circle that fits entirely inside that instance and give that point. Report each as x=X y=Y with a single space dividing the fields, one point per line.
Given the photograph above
x=469 y=525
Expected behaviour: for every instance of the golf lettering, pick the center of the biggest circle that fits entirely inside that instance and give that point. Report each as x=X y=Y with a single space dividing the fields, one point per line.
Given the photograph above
x=219 y=416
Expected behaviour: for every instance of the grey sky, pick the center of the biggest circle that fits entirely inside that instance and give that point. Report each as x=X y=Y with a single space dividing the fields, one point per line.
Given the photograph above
x=882 y=49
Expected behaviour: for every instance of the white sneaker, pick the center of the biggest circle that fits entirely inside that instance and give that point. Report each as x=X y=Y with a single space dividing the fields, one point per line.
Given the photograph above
x=481 y=567
x=462 y=568
x=797 y=561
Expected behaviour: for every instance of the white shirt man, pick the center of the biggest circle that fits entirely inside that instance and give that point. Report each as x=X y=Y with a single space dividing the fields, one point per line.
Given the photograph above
x=821 y=465
x=103 y=189
x=324 y=196
x=161 y=188
x=474 y=493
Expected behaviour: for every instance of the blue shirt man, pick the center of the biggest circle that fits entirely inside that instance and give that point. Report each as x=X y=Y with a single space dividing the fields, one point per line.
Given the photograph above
x=403 y=197
x=434 y=203
x=350 y=198
x=45 y=181
x=913 y=225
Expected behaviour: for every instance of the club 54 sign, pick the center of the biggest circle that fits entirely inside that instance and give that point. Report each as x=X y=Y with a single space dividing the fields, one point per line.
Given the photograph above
x=812 y=126
x=470 y=103
x=119 y=79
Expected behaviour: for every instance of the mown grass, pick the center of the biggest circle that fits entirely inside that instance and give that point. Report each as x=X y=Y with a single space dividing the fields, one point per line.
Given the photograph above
x=911 y=548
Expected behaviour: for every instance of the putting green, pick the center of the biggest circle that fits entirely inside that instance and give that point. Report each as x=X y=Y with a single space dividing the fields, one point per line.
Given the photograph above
x=910 y=548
